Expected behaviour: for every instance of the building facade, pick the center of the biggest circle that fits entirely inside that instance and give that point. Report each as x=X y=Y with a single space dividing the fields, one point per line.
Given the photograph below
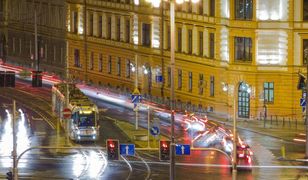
x=253 y=49
x=18 y=48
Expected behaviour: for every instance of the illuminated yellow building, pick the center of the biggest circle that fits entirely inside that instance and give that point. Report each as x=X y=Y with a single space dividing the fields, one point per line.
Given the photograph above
x=253 y=47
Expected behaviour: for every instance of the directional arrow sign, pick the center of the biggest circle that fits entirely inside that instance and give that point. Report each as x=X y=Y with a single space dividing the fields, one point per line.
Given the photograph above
x=182 y=149
x=155 y=131
x=127 y=149
x=303 y=102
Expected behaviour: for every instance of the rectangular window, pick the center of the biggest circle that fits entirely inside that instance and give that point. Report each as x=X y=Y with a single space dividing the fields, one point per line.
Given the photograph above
x=305 y=51
x=212 y=45
x=146 y=34
x=91 y=61
x=168 y=38
x=169 y=77
x=77 y=58
x=75 y=22
x=201 y=7
x=108 y=27
x=189 y=41
x=118 y=29
x=179 y=79
x=189 y=7
x=179 y=39
x=212 y=8
x=305 y=10
x=54 y=53
x=127 y=31
x=268 y=92
x=190 y=81
x=119 y=66
x=13 y=44
x=212 y=86
x=243 y=48
x=46 y=51
x=128 y=68
x=109 y=64
x=91 y=25
x=201 y=43
x=243 y=9
x=100 y=26
x=100 y=63
x=201 y=84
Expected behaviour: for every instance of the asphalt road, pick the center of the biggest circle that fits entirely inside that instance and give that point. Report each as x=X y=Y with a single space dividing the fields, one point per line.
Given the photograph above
x=39 y=128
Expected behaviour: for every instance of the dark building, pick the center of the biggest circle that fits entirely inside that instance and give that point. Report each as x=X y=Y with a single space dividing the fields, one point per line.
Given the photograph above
x=17 y=44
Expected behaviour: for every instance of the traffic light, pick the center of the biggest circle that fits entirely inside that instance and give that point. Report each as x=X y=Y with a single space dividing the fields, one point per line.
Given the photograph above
x=301 y=82
x=9 y=175
x=164 y=150
x=112 y=149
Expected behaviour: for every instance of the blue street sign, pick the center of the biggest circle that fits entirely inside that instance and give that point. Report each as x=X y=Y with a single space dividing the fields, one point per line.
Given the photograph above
x=159 y=78
x=182 y=149
x=154 y=130
x=127 y=149
x=136 y=98
x=303 y=102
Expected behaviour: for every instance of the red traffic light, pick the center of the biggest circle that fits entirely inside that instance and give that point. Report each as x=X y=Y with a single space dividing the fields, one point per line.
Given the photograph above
x=164 y=150
x=112 y=149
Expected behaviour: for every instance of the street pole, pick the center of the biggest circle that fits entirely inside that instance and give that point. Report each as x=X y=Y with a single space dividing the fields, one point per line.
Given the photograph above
x=306 y=57
x=14 y=153
x=234 y=170
x=35 y=41
x=67 y=99
x=172 y=62
x=136 y=87
x=148 y=126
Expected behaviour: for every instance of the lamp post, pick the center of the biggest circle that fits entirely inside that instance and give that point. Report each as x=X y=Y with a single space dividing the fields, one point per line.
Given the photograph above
x=227 y=88
x=156 y=3
x=134 y=68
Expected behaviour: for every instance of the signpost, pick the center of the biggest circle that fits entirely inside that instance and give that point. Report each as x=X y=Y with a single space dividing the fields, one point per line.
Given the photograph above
x=127 y=149
x=67 y=113
x=136 y=98
x=182 y=149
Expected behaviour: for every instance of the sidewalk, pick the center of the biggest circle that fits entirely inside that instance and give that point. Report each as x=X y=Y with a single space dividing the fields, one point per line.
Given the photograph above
x=278 y=129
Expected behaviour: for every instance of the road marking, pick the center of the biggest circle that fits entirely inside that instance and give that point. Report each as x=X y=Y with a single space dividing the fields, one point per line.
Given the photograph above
x=37 y=119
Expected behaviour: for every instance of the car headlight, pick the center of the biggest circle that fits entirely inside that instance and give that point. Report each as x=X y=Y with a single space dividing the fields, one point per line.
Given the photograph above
x=94 y=132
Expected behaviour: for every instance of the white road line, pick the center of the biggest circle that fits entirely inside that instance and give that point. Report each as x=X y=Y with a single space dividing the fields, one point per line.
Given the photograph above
x=129 y=166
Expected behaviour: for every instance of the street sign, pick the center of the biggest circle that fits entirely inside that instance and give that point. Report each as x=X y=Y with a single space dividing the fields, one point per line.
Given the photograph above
x=136 y=91
x=304 y=94
x=159 y=78
x=303 y=102
x=154 y=130
x=182 y=149
x=67 y=113
x=136 y=98
x=127 y=149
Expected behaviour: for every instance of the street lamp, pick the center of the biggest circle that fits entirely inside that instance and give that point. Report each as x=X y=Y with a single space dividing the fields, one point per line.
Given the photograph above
x=233 y=89
x=156 y=3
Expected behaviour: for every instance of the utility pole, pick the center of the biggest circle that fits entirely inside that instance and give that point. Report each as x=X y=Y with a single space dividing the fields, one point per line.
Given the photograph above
x=136 y=87
x=35 y=40
x=172 y=64
x=14 y=153
x=306 y=98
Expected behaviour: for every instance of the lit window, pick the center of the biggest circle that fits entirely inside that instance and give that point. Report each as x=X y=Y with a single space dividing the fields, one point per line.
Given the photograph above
x=268 y=92
x=243 y=9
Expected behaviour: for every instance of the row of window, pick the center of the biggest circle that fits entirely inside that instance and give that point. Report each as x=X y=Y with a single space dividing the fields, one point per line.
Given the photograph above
x=55 y=52
x=201 y=83
x=267 y=86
